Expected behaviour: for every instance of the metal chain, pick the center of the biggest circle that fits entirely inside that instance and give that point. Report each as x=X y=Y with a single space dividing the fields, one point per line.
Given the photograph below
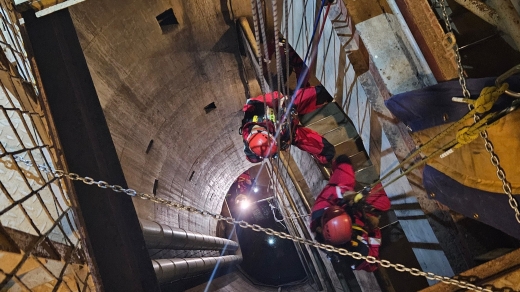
x=462 y=79
x=41 y=167
x=257 y=228
x=269 y=231
x=506 y=186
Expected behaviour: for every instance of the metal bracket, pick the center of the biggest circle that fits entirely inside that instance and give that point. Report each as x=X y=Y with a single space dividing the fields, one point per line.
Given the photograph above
x=503 y=77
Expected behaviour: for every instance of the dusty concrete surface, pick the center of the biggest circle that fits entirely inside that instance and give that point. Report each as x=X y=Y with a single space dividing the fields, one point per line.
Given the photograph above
x=154 y=85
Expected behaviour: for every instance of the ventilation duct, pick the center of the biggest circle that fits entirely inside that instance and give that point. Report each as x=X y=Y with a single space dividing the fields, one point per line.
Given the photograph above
x=169 y=270
x=160 y=236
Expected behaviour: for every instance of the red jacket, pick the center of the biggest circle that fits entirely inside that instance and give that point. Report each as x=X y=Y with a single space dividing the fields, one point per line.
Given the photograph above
x=305 y=101
x=365 y=240
x=343 y=179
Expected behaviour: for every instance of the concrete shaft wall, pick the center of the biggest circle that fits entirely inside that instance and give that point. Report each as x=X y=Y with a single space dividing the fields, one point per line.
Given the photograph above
x=154 y=85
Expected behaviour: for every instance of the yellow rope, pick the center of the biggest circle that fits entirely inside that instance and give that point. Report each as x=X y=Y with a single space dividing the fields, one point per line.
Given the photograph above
x=486 y=100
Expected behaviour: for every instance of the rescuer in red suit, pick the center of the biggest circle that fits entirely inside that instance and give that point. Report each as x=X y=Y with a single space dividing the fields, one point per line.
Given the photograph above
x=346 y=219
x=258 y=129
x=244 y=183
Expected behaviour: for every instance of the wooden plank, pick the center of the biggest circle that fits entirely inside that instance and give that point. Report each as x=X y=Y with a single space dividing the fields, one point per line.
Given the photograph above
x=327 y=110
x=324 y=125
x=366 y=176
x=360 y=160
x=337 y=136
x=348 y=147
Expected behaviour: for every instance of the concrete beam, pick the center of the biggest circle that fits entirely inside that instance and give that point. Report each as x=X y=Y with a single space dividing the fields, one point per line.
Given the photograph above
x=509 y=20
x=501 y=273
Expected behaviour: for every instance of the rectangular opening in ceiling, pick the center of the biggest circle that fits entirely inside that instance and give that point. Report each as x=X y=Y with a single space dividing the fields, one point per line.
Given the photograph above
x=167 y=19
x=155 y=185
x=149 y=147
x=210 y=107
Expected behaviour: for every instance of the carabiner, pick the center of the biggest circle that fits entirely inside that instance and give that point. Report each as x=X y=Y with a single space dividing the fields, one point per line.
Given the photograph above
x=503 y=77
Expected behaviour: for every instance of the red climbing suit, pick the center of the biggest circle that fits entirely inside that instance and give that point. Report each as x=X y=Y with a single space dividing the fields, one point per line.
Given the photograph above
x=306 y=100
x=244 y=183
x=342 y=180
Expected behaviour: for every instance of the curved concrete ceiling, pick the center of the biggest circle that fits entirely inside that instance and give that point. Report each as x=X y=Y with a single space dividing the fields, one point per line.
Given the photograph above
x=154 y=85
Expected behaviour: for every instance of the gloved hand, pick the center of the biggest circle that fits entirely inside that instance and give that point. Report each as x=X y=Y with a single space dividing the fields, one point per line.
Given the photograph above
x=358 y=198
x=350 y=198
x=342 y=159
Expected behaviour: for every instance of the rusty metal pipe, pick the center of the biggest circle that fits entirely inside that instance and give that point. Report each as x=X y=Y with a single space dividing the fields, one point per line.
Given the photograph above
x=160 y=236
x=169 y=270
x=481 y=10
x=501 y=14
x=246 y=28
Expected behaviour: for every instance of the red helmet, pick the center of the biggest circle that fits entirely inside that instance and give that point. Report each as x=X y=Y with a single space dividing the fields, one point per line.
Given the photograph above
x=262 y=143
x=337 y=225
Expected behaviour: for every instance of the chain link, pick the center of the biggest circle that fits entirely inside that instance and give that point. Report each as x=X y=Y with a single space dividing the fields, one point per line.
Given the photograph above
x=462 y=79
x=243 y=224
x=29 y=163
x=506 y=186
x=269 y=231
x=329 y=248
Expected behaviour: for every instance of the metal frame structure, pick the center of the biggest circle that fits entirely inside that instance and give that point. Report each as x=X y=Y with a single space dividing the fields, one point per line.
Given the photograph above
x=109 y=221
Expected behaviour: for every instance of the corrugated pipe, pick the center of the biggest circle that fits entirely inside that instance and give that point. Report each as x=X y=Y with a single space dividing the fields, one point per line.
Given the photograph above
x=162 y=236
x=168 y=270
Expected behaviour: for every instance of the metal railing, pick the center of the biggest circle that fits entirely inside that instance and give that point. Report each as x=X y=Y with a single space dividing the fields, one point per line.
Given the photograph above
x=40 y=244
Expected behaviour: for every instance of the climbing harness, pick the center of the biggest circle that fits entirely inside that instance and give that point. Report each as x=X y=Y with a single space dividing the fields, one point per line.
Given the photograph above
x=506 y=75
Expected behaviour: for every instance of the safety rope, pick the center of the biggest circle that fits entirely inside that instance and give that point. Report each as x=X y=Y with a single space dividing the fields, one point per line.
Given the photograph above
x=276 y=48
x=464 y=136
x=484 y=102
x=309 y=49
x=243 y=224
x=315 y=27
x=257 y=38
